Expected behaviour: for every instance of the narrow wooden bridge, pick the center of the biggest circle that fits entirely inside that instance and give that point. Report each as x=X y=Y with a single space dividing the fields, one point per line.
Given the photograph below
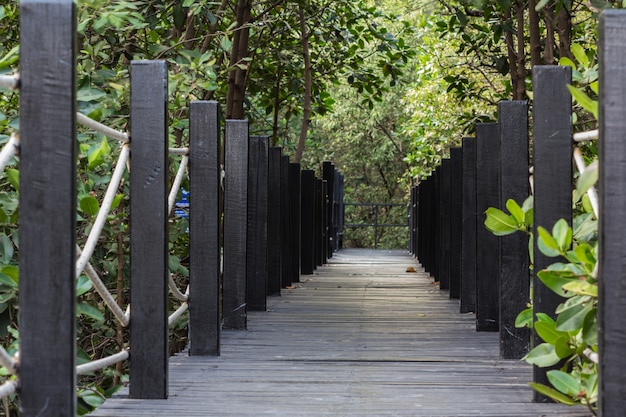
x=361 y=337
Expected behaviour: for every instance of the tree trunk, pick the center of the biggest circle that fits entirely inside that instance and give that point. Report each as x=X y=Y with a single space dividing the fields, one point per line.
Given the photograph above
x=564 y=25
x=510 y=49
x=239 y=68
x=535 y=36
x=279 y=75
x=308 y=81
x=548 y=52
x=520 y=89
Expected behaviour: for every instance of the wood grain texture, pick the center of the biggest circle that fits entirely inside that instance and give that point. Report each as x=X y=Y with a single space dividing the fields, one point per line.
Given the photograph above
x=294 y=216
x=552 y=131
x=307 y=223
x=285 y=228
x=235 y=224
x=149 y=252
x=514 y=260
x=256 y=276
x=436 y=222
x=361 y=338
x=328 y=173
x=444 y=224
x=487 y=245
x=319 y=223
x=47 y=230
x=612 y=233
x=468 y=245
x=274 y=215
x=456 y=220
x=204 y=228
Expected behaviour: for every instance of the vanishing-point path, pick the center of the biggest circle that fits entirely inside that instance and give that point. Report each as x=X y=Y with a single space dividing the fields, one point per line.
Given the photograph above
x=361 y=337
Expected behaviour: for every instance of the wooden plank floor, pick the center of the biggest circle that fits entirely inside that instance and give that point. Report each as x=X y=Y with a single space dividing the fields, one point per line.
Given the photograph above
x=361 y=337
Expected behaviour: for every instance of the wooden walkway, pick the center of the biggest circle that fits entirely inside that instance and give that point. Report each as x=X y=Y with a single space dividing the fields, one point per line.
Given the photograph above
x=361 y=337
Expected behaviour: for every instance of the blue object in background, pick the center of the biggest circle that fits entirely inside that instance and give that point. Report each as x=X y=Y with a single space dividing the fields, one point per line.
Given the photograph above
x=182 y=205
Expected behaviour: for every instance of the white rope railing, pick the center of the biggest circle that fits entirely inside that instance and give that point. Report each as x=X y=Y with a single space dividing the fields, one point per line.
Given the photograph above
x=171 y=200
x=104 y=129
x=586 y=136
x=105 y=207
x=173 y=318
x=8 y=361
x=591 y=192
x=120 y=315
x=11 y=82
x=9 y=150
x=178 y=151
x=8 y=388
x=102 y=363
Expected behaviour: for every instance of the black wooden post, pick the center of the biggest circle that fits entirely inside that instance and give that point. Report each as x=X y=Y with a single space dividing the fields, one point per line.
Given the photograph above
x=294 y=208
x=307 y=222
x=487 y=245
x=235 y=224
x=47 y=208
x=328 y=172
x=552 y=128
x=514 y=272
x=423 y=236
x=204 y=228
x=325 y=227
x=341 y=209
x=149 y=251
x=436 y=219
x=256 y=276
x=319 y=223
x=285 y=226
x=444 y=224
x=612 y=233
x=274 y=213
x=468 y=235
x=411 y=205
x=456 y=220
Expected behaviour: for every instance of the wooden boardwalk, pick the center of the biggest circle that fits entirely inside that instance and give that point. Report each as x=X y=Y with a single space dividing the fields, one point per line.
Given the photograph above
x=361 y=337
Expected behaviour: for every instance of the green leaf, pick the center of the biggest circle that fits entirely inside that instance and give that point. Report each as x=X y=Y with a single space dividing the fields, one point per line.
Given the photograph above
x=566 y=62
x=6 y=280
x=541 y=4
x=548 y=332
x=88 y=310
x=588 y=178
x=582 y=288
x=7 y=249
x=555 y=280
x=546 y=243
x=515 y=210
x=594 y=86
x=562 y=233
x=13 y=175
x=542 y=355
x=524 y=319
x=584 y=100
x=499 y=223
x=12 y=272
x=564 y=382
x=590 y=329
x=580 y=55
x=552 y=393
x=89 y=205
x=89 y=94
x=83 y=284
x=562 y=347
x=572 y=319
x=116 y=201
